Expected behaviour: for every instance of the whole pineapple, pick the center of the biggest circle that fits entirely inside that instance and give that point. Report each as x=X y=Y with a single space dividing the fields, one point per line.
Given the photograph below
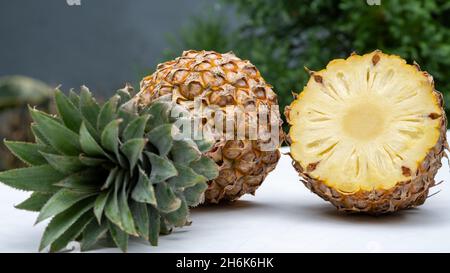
x=220 y=80
x=368 y=133
x=113 y=170
x=16 y=92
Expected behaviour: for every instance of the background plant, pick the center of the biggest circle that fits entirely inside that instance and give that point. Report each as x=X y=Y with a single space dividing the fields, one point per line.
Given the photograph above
x=281 y=37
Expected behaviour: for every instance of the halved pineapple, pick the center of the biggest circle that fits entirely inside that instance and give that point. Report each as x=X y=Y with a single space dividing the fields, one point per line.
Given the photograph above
x=368 y=133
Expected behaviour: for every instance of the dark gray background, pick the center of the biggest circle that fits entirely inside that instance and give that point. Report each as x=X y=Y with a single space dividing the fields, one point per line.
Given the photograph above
x=102 y=43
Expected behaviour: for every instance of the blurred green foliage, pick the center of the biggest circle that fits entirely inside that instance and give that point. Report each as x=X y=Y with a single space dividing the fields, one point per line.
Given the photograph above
x=17 y=93
x=282 y=37
x=206 y=32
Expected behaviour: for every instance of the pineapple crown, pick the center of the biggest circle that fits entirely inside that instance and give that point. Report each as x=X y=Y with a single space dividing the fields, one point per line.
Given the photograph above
x=113 y=170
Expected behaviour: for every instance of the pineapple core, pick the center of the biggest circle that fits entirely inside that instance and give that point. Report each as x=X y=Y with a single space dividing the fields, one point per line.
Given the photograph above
x=365 y=123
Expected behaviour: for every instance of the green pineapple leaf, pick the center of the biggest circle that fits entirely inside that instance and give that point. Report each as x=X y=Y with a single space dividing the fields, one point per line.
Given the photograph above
x=83 y=181
x=37 y=178
x=108 y=112
x=110 y=136
x=161 y=138
x=119 y=237
x=63 y=221
x=35 y=202
x=88 y=106
x=206 y=167
x=185 y=151
x=179 y=217
x=204 y=145
x=27 y=152
x=92 y=233
x=59 y=202
x=125 y=212
x=68 y=111
x=143 y=191
x=38 y=136
x=188 y=178
x=111 y=178
x=88 y=143
x=62 y=163
x=74 y=98
x=60 y=137
x=125 y=93
x=71 y=233
x=194 y=194
x=140 y=216
x=154 y=225
x=112 y=210
x=99 y=205
x=164 y=227
x=162 y=169
x=126 y=116
x=159 y=114
x=90 y=161
x=132 y=149
x=166 y=198
x=135 y=129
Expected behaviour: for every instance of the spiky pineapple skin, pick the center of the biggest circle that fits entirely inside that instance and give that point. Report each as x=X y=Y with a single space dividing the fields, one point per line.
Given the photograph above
x=406 y=194
x=221 y=80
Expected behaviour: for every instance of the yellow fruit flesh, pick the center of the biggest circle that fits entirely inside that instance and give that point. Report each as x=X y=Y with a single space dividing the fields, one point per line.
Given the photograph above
x=364 y=123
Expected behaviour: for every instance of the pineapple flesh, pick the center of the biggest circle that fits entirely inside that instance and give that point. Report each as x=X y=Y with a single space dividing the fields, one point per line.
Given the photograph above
x=220 y=80
x=368 y=133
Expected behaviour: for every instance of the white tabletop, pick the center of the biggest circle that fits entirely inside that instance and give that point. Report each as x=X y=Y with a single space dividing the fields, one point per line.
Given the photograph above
x=283 y=217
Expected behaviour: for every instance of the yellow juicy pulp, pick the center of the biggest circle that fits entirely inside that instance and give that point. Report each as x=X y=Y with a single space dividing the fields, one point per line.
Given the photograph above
x=363 y=126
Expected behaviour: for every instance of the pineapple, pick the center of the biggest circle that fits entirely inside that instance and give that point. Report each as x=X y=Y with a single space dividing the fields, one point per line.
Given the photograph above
x=221 y=80
x=16 y=92
x=109 y=171
x=368 y=133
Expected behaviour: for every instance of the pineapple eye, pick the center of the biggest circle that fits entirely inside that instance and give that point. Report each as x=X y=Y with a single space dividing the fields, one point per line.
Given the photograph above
x=260 y=92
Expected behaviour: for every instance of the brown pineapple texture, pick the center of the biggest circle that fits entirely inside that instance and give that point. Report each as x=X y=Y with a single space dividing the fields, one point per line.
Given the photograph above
x=368 y=133
x=220 y=80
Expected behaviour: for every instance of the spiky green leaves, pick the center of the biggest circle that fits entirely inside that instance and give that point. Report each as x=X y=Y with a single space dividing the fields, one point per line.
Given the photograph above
x=36 y=178
x=108 y=170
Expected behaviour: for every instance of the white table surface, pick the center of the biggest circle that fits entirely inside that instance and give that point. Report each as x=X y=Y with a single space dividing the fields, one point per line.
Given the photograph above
x=283 y=216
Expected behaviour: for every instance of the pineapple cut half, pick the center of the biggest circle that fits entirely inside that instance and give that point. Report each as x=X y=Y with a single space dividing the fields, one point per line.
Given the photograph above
x=368 y=133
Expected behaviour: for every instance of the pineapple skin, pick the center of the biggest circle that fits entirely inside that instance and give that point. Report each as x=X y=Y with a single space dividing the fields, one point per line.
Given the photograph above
x=404 y=195
x=221 y=80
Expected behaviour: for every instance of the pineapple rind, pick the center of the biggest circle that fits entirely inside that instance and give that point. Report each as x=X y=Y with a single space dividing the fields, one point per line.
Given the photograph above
x=332 y=178
x=220 y=80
